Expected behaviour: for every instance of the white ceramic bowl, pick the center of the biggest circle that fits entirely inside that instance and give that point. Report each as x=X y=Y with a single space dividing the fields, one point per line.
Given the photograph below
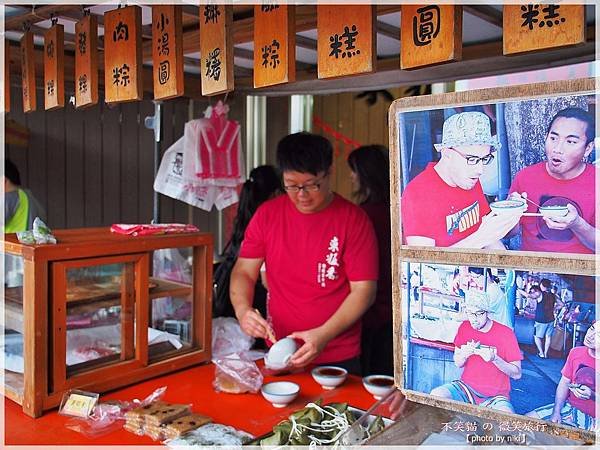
x=329 y=377
x=378 y=385
x=280 y=353
x=280 y=393
x=506 y=206
x=554 y=211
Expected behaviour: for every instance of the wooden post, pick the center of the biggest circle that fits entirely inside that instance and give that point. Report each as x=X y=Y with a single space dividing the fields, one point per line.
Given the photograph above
x=430 y=34
x=6 y=78
x=167 y=51
x=346 y=40
x=274 y=44
x=123 y=54
x=532 y=27
x=86 y=62
x=28 y=72
x=216 y=49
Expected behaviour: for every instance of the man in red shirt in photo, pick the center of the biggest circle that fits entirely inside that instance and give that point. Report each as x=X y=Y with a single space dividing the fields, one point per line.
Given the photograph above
x=489 y=355
x=444 y=205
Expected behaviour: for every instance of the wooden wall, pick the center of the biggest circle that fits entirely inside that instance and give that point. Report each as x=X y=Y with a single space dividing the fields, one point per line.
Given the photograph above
x=95 y=167
x=356 y=119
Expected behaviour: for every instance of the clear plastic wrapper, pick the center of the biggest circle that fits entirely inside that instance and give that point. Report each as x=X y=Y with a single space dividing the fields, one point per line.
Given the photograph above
x=228 y=337
x=110 y=416
x=236 y=374
x=211 y=434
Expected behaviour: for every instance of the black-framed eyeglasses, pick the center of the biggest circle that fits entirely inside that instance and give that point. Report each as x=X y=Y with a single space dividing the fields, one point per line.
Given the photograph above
x=313 y=187
x=473 y=160
x=476 y=314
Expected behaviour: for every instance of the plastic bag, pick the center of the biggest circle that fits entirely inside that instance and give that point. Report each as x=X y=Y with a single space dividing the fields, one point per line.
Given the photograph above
x=110 y=416
x=236 y=374
x=228 y=337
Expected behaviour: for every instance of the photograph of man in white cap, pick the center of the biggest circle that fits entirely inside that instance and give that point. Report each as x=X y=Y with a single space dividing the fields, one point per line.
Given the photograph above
x=445 y=205
x=488 y=353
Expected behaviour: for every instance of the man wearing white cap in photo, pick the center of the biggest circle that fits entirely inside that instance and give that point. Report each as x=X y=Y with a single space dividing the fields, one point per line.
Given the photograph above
x=444 y=205
x=489 y=355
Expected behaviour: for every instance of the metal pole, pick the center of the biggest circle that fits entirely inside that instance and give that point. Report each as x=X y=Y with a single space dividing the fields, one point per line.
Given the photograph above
x=154 y=123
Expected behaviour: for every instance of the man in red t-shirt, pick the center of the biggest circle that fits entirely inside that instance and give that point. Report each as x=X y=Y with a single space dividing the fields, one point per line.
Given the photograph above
x=321 y=259
x=489 y=355
x=564 y=179
x=444 y=205
x=575 y=400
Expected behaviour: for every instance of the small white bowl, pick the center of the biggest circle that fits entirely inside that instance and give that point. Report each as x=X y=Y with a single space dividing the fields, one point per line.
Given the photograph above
x=280 y=393
x=507 y=206
x=329 y=377
x=280 y=353
x=554 y=211
x=378 y=385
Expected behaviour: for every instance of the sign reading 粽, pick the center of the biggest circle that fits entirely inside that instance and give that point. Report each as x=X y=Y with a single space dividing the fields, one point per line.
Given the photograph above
x=216 y=49
x=345 y=40
x=86 y=62
x=274 y=44
x=28 y=72
x=533 y=27
x=430 y=34
x=123 y=54
x=167 y=51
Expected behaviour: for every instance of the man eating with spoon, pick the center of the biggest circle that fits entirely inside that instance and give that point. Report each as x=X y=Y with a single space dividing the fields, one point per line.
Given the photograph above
x=565 y=179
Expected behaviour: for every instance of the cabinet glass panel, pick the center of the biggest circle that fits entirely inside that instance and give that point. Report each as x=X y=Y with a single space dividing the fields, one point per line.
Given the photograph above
x=95 y=314
x=171 y=307
x=13 y=323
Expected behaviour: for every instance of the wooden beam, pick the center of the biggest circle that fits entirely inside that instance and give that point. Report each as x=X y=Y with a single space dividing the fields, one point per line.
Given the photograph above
x=77 y=15
x=37 y=14
x=388 y=30
x=243 y=53
x=489 y=14
x=305 y=42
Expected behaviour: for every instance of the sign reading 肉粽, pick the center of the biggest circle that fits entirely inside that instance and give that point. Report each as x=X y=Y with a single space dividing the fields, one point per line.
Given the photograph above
x=345 y=40
x=534 y=27
x=430 y=34
x=123 y=54
x=216 y=49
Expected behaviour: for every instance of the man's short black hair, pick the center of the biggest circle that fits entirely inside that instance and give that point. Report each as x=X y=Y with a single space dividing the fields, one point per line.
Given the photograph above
x=11 y=172
x=305 y=153
x=579 y=114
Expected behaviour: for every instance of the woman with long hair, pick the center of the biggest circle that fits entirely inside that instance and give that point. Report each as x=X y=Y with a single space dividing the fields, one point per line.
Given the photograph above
x=262 y=184
x=370 y=174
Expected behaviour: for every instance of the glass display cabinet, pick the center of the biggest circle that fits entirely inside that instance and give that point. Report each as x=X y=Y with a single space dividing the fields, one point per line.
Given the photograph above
x=100 y=310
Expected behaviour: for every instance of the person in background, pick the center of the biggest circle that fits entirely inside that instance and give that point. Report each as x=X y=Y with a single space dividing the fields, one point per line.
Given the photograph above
x=544 y=318
x=500 y=310
x=489 y=355
x=20 y=206
x=444 y=205
x=575 y=399
x=370 y=169
x=263 y=183
x=321 y=261
x=564 y=179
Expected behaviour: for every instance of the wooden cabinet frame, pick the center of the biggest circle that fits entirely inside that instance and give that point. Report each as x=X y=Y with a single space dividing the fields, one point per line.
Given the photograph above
x=45 y=377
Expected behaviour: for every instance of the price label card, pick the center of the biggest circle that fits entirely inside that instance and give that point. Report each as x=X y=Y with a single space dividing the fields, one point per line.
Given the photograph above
x=78 y=403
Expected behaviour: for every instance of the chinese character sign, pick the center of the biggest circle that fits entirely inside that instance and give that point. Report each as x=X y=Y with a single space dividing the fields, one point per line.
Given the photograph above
x=28 y=72
x=346 y=40
x=167 y=51
x=274 y=45
x=123 y=54
x=54 y=67
x=430 y=34
x=86 y=62
x=216 y=49
x=533 y=27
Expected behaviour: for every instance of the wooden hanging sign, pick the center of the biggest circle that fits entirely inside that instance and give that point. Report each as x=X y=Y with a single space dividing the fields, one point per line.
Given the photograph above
x=54 y=67
x=6 y=77
x=86 y=62
x=274 y=44
x=28 y=72
x=345 y=40
x=123 y=54
x=430 y=34
x=216 y=49
x=532 y=27
x=167 y=51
